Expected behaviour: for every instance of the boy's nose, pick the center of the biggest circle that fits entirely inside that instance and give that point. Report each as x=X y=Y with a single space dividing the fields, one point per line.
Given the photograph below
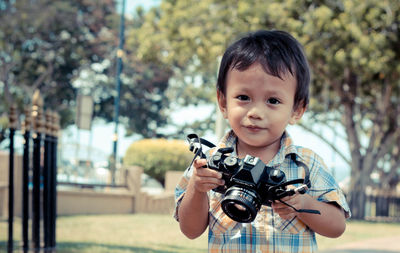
x=254 y=113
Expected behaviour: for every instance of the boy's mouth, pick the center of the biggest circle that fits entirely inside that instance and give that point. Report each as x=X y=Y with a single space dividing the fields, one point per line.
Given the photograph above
x=254 y=128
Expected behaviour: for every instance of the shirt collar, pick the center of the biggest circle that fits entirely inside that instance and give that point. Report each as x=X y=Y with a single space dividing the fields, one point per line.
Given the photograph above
x=287 y=148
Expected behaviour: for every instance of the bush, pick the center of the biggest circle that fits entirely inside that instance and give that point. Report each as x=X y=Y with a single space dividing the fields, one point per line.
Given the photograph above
x=156 y=156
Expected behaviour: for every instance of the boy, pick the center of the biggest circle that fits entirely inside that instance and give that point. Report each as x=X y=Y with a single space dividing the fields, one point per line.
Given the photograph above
x=262 y=87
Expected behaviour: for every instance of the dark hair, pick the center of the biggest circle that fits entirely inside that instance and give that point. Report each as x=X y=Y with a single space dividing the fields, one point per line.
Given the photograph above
x=278 y=53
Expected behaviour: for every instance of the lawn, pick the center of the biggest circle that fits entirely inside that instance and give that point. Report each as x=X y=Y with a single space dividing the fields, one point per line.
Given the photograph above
x=152 y=233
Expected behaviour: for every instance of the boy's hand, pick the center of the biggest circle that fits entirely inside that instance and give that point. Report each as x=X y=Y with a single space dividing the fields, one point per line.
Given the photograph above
x=205 y=179
x=286 y=212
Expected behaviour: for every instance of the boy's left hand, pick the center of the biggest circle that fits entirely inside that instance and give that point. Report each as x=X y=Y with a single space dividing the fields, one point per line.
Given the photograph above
x=286 y=212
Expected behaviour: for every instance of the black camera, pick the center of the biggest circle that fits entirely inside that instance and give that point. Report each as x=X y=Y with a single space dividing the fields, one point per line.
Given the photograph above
x=249 y=183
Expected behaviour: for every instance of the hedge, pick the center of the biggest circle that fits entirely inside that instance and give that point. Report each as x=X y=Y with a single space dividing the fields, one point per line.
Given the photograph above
x=156 y=156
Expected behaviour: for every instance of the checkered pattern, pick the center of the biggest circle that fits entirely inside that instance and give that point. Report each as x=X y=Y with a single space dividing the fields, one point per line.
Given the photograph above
x=268 y=232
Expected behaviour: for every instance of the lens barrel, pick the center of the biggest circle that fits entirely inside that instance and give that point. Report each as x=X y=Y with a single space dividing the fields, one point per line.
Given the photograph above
x=241 y=204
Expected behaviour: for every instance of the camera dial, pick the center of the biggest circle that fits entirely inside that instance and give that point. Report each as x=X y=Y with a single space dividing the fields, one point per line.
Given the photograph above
x=277 y=175
x=231 y=163
x=216 y=159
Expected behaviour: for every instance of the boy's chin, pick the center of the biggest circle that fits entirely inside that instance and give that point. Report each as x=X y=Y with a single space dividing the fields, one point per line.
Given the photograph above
x=256 y=143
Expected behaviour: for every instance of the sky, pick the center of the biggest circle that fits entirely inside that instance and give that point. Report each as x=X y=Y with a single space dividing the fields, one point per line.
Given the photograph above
x=130 y=5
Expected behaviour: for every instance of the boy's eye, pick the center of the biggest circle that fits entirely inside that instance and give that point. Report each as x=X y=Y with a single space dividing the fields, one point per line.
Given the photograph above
x=242 y=97
x=273 y=101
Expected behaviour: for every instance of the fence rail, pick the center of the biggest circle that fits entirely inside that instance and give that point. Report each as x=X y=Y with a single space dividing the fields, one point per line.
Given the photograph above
x=92 y=185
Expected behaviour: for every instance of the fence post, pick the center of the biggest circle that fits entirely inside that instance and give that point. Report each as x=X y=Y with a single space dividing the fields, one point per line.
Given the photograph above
x=25 y=178
x=53 y=178
x=37 y=115
x=13 y=126
x=46 y=179
x=44 y=166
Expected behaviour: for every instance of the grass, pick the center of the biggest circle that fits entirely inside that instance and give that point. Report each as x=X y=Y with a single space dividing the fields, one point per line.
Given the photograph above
x=360 y=231
x=152 y=233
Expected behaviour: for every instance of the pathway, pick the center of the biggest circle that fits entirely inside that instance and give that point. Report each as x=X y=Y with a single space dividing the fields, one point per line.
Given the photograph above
x=377 y=245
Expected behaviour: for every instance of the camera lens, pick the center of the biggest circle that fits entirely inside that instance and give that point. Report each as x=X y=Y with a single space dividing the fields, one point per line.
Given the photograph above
x=241 y=204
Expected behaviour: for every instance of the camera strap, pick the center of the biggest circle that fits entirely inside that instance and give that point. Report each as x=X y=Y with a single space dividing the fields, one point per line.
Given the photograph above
x=302 y=189
x=306 y=179
x=194 y=138
x=195 y=145
x=312 y=211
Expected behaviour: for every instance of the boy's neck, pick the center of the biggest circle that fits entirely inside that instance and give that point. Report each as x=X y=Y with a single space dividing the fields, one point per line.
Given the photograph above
x=265 y=153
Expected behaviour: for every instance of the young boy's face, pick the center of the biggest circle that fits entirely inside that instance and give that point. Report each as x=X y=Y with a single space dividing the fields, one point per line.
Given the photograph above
x=259 y=106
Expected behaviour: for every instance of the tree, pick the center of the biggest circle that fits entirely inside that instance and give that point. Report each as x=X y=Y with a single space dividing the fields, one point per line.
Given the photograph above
x=45 y=52
x=72 y=50
x=143 y=108
x=353 y=49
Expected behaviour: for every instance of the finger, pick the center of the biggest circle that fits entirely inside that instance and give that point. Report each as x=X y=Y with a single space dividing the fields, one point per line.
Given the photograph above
x=288 y=198
x=281 y=208
x=211 y=180
x=207 y=183
x=199 y=163
x=278 y=205
x=284 y=211
x=206 y=172
x=209 y=173
x=206 y=187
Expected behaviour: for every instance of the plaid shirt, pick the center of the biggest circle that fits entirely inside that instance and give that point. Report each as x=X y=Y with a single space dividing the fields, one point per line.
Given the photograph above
x=268 y=232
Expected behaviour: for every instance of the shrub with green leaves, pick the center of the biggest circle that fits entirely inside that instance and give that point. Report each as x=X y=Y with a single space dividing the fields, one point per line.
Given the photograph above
x=156 y=156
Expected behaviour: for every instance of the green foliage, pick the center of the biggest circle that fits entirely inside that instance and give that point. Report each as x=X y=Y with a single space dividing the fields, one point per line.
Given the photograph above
x=44 y=44
x=352 y=47
x=143 y=106
x=156 y=156
x=337 y=35
x=71 y=50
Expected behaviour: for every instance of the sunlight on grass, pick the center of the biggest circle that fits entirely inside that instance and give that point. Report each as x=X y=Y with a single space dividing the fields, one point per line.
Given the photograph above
x=150 y=233
x=360 y=231
x=153 y=233
x=128 y=233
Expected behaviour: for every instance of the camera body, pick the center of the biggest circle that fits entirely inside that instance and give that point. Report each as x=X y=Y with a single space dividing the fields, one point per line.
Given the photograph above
x=249 y=183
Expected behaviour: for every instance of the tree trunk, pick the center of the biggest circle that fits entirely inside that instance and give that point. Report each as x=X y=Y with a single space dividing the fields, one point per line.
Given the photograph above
x=357 y=195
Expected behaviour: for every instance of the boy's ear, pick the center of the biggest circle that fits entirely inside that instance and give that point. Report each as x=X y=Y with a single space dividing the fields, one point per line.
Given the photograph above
x=222 y=103
x=297 y=114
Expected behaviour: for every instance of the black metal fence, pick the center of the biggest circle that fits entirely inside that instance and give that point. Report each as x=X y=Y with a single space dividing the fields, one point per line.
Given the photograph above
x=39 y=173
x=382 y=205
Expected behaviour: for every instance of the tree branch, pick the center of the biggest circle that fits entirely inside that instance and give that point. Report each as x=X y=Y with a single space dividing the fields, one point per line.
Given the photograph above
x=43 y=76
x=331 y=145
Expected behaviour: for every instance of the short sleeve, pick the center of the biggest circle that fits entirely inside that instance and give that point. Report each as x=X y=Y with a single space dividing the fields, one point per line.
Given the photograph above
x=181 y=187
x=324 y=186
x=180 y=190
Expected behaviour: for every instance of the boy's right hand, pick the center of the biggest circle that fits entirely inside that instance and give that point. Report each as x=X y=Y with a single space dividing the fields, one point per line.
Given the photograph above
x=204 y=178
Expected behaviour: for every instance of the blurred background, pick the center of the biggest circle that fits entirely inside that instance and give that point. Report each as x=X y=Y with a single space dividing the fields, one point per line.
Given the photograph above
x=121 y=72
